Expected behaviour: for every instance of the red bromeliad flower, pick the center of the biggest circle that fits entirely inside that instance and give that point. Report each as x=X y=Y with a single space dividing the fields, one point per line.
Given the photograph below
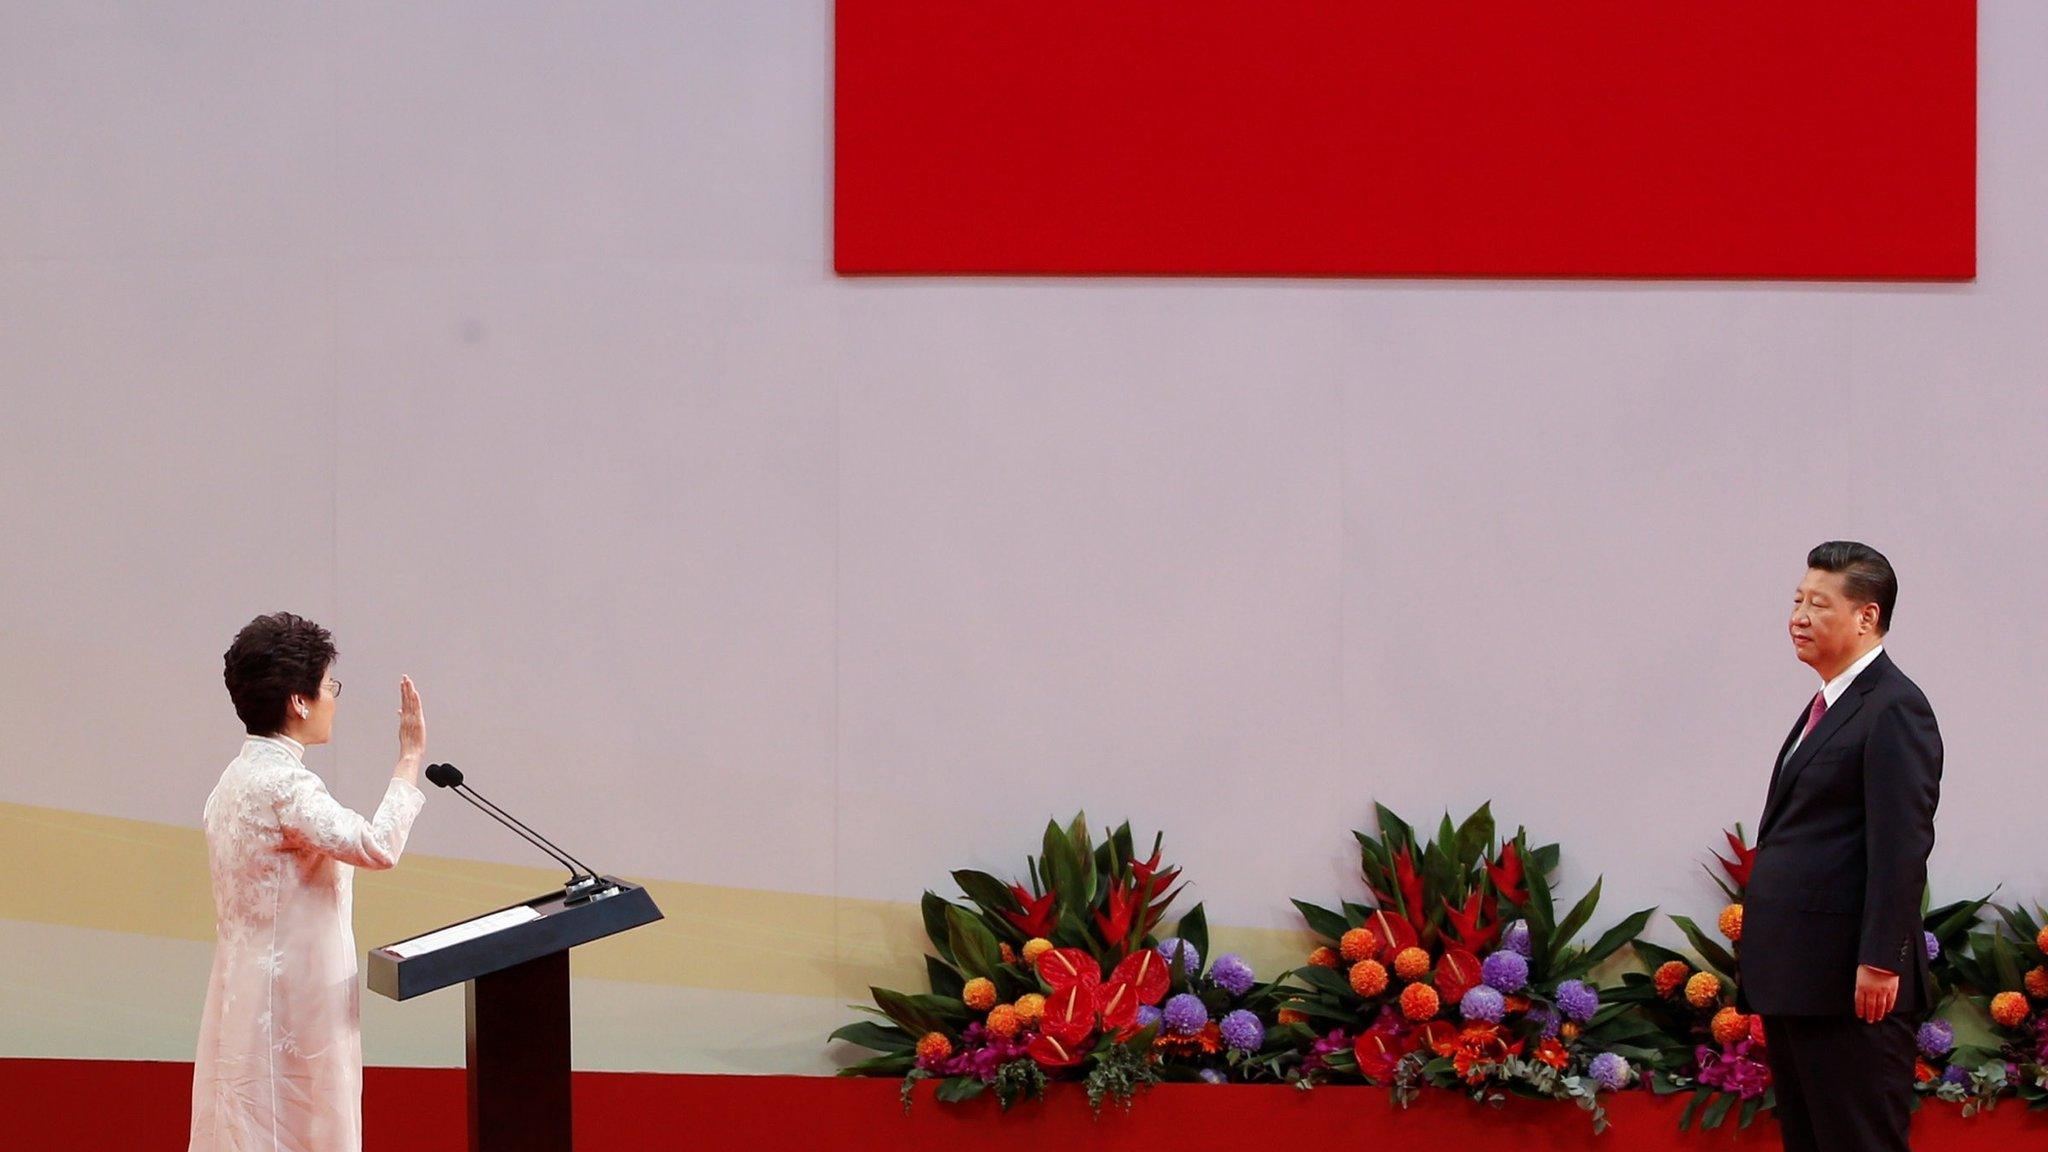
x=1037 y=917
x=1411 y=888
x=1476 y=925
x=1150 y=878
x=1507 y=875
x=1114 y=920
x=1745 y=859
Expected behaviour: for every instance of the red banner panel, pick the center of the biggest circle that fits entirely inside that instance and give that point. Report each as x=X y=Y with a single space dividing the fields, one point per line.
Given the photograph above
x=1620 y=138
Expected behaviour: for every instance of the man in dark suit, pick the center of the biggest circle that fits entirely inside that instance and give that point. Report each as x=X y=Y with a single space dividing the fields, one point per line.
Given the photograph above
x=1832 y=951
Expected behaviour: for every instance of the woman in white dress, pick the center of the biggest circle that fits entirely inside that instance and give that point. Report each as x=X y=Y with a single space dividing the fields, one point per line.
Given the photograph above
x=280 y=1061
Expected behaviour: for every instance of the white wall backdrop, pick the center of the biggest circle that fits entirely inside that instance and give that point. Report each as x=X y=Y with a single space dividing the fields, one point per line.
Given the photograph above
x=502 y=338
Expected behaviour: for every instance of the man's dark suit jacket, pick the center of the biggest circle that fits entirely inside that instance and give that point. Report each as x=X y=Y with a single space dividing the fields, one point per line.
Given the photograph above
x=1842 y=853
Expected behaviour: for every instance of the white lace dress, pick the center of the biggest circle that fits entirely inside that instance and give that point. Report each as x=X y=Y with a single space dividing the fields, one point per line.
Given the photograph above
x=280 y=1061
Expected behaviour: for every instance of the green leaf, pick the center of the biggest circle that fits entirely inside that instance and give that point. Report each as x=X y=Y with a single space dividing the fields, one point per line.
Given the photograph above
x=1324 y=980
x=1612 y=940
x=1578 y=916
x=1711 y=952
x=974 y=946
x=992 y=894
x=1394 y=831
x=1475 y=836
x=955 y=1089
x=888 y=1064
x=945 y=979
x=907 y=1013
x=879 y=1037
x=934 y=910
x=1322 y=921
x=1718 y=1111
x=1194 y=928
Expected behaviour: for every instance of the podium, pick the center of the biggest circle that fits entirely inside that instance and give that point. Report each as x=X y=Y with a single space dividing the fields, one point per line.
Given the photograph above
x=515 y=961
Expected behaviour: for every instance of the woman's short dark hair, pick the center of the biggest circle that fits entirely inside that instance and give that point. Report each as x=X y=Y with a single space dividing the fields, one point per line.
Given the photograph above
x=1867 y=577
x=273 y=658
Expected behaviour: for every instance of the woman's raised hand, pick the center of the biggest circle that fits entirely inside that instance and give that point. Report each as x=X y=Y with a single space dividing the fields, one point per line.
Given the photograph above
x=412 y=726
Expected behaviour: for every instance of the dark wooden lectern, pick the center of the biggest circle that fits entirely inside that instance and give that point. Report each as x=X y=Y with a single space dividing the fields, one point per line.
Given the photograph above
x=516 y=962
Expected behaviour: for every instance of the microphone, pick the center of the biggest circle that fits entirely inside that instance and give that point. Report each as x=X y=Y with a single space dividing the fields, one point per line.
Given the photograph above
x=582 y=879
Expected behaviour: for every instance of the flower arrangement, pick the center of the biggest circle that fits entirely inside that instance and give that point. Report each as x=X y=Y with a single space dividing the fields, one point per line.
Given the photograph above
x=2005 y=975
x=1435 y=985
x=1714 y=1050
x=1063 y=979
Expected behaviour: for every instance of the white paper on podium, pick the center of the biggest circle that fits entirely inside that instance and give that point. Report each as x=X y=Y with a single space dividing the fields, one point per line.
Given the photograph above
x=467 y=930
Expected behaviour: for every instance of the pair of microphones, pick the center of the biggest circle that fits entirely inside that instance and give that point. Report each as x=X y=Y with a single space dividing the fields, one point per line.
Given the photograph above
x=583 y=884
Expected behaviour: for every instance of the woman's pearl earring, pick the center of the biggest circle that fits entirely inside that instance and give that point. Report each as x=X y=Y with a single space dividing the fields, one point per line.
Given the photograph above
x=303 y=713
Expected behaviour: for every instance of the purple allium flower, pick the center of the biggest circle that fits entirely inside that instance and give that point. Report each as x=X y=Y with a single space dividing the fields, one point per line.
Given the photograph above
x=1232 y=974
x=1935 y=1038
x=1545 y=1018
x=1483 y=1003
x=1190 y=960
x=1505 y=971
x=1957 y=1075
x=1185 y=1014
x=1147 y=1015
x=1242 y=1031
x=1212 y=1076
x=1933 y=947
x=1609 y=1071
x=1515 y=938
x=1578 y=1000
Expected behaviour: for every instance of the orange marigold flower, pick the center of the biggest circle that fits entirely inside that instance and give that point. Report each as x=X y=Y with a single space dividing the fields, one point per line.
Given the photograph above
x=980 y=994
x=1368 y=978
x=1034 y=948
x=2041 y=941
x=1323 y=958
x=1569 y=1030
x=1290 y=1016
x=1418 y=1001
x=1671 y=976
x=1515 y=1003
x=1731 y=922
x=933 y=1047
x=2009 y=1009
x=1004 y=1021
x=1411 y=963
x=1729 y=1026
x=1031 y=1007
x=1359 y=944
x=2037 y=982
x=1009 y=954
x=1703 y=990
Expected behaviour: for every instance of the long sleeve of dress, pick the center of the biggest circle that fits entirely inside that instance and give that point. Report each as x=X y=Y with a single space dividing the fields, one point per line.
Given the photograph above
x=313 y=820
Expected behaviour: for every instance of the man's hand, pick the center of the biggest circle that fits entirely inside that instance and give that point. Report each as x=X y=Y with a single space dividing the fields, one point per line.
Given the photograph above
x=1876 y=992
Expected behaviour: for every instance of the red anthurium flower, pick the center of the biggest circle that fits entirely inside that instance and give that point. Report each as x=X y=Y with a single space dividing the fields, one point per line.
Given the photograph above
x=1070 y=1014
x=1117 y=1003
x=1063 y=968
x=1145 y=971
x=1052 y=1052
x=1745 y=859
x=1456 y=974
x=1411 y=888
x=1433 y=1036
x=1378 y=1052
x=1394 y=932
x=1507 y=875
x=1114 y=920
x=1037 y=917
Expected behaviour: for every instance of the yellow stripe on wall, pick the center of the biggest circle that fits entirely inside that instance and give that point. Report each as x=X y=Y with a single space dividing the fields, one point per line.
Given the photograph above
x=147 y=878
